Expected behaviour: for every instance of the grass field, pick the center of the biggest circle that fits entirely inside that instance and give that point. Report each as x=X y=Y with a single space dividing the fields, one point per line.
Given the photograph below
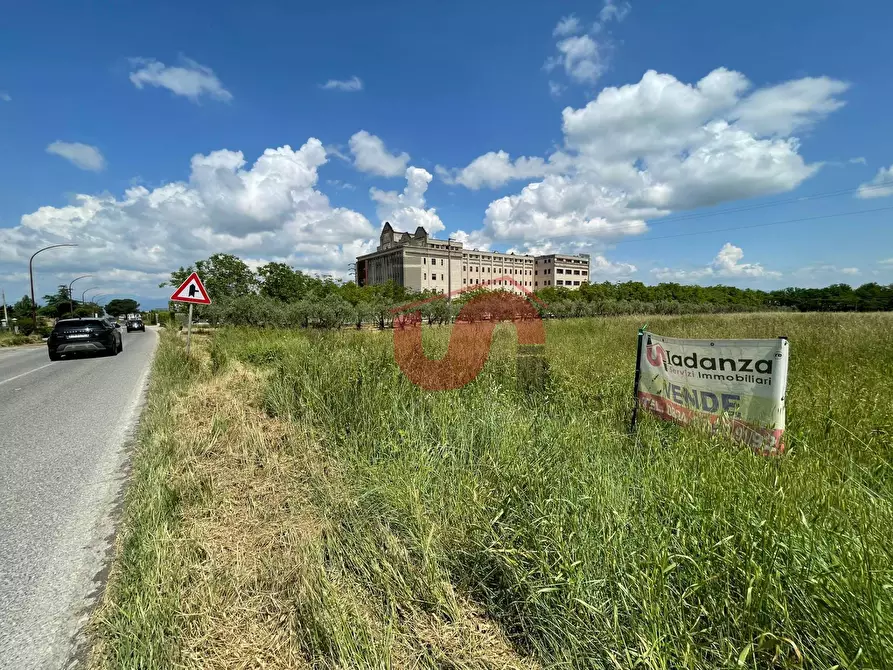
x=297 y=503
x=9 y=339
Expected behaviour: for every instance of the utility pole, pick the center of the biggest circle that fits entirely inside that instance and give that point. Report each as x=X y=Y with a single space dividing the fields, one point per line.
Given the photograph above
x=5 y=315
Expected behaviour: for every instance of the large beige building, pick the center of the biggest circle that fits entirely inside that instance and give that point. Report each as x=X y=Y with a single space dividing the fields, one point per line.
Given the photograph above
x=421 y=263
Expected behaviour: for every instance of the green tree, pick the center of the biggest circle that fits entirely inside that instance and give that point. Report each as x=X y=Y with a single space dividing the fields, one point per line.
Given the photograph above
x=281 y=282
x=22 y=309
x=122 y=306
x=58 y=304
x=223 y=275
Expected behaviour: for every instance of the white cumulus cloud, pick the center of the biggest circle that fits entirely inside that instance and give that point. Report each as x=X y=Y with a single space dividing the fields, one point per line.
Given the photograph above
x=612 y=11
x=370 y=155
x=190 y=80
x=726 y=264
x=790 y=106
x=5 y=97
x=879 y=187
x=84 y=156
x=270 y=210
x=567 y=25
x=643 y=150
x=581 y=58
x=496 y=168
x=584 y=55
x=348 y=85
x=406 y=210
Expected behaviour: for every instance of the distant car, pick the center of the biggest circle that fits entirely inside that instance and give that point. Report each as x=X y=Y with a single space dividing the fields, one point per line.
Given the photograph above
x=84 y=336
x=136 y=324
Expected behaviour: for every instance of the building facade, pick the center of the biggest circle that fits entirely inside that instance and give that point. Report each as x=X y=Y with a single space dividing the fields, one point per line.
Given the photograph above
x=560 y=270
x=421 y=263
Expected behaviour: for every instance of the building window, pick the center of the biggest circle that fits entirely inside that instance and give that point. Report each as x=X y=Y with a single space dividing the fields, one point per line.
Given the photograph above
x=560 y=282
x=433 y=261
x=441 y=277
x=424 y=275
x=441 y=261
x=425 y=261
x=559 y=271
x=576 y=283
x=463 y=268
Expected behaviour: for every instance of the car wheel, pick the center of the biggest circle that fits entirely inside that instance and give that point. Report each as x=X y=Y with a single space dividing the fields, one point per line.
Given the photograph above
x=55 y=357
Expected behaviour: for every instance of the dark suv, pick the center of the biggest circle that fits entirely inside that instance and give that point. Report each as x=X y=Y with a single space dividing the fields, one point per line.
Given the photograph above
x=80 y=336
x=136 y=324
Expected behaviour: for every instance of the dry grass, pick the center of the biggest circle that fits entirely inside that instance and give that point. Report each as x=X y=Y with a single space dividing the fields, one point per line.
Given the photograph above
x=9 y=339
x=256 y=564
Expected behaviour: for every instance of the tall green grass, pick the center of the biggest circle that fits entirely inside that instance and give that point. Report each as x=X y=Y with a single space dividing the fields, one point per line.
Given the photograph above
x=593 y=549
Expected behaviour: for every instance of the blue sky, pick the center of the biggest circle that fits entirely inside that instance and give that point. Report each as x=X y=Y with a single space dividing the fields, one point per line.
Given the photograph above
x=622 y=152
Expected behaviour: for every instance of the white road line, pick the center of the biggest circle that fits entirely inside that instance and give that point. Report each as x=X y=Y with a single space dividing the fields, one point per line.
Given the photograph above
x=6 y=381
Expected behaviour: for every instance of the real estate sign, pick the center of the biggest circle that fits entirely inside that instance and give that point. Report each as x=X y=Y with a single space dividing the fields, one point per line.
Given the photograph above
x=737 y=384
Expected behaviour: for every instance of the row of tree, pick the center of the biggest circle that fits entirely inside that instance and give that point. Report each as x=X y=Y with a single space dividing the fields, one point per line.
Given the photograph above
x=276 y=294
x=60 y=305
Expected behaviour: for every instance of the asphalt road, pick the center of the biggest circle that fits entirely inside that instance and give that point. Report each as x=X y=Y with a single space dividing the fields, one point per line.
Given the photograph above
x=64 y=432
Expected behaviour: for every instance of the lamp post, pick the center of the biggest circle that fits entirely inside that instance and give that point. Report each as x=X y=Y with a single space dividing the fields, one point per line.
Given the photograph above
x=31 y=274
x=96 y=298
x=70 y=296
x=84 y=294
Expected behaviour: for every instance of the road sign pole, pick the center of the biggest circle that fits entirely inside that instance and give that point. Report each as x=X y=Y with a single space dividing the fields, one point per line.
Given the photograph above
x=189 y=329
x=191 y=291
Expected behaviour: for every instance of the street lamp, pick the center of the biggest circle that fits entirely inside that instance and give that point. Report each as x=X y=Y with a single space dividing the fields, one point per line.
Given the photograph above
x=84 y=294
x=95 y=299
x=70 y=296
x=31 y=274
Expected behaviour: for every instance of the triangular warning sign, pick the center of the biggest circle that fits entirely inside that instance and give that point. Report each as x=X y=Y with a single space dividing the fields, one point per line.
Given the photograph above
x=192 y=290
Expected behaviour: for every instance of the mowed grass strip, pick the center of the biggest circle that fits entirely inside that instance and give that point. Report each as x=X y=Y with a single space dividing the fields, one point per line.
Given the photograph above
x=298 y=503
x=238 y=549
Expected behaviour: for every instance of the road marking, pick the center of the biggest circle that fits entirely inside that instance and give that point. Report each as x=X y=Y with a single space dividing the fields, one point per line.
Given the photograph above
x=6 y=381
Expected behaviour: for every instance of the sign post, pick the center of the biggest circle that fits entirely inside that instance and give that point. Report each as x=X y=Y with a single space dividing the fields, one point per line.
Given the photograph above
x=193 y=292
x=632 y=424
x=189 y=330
